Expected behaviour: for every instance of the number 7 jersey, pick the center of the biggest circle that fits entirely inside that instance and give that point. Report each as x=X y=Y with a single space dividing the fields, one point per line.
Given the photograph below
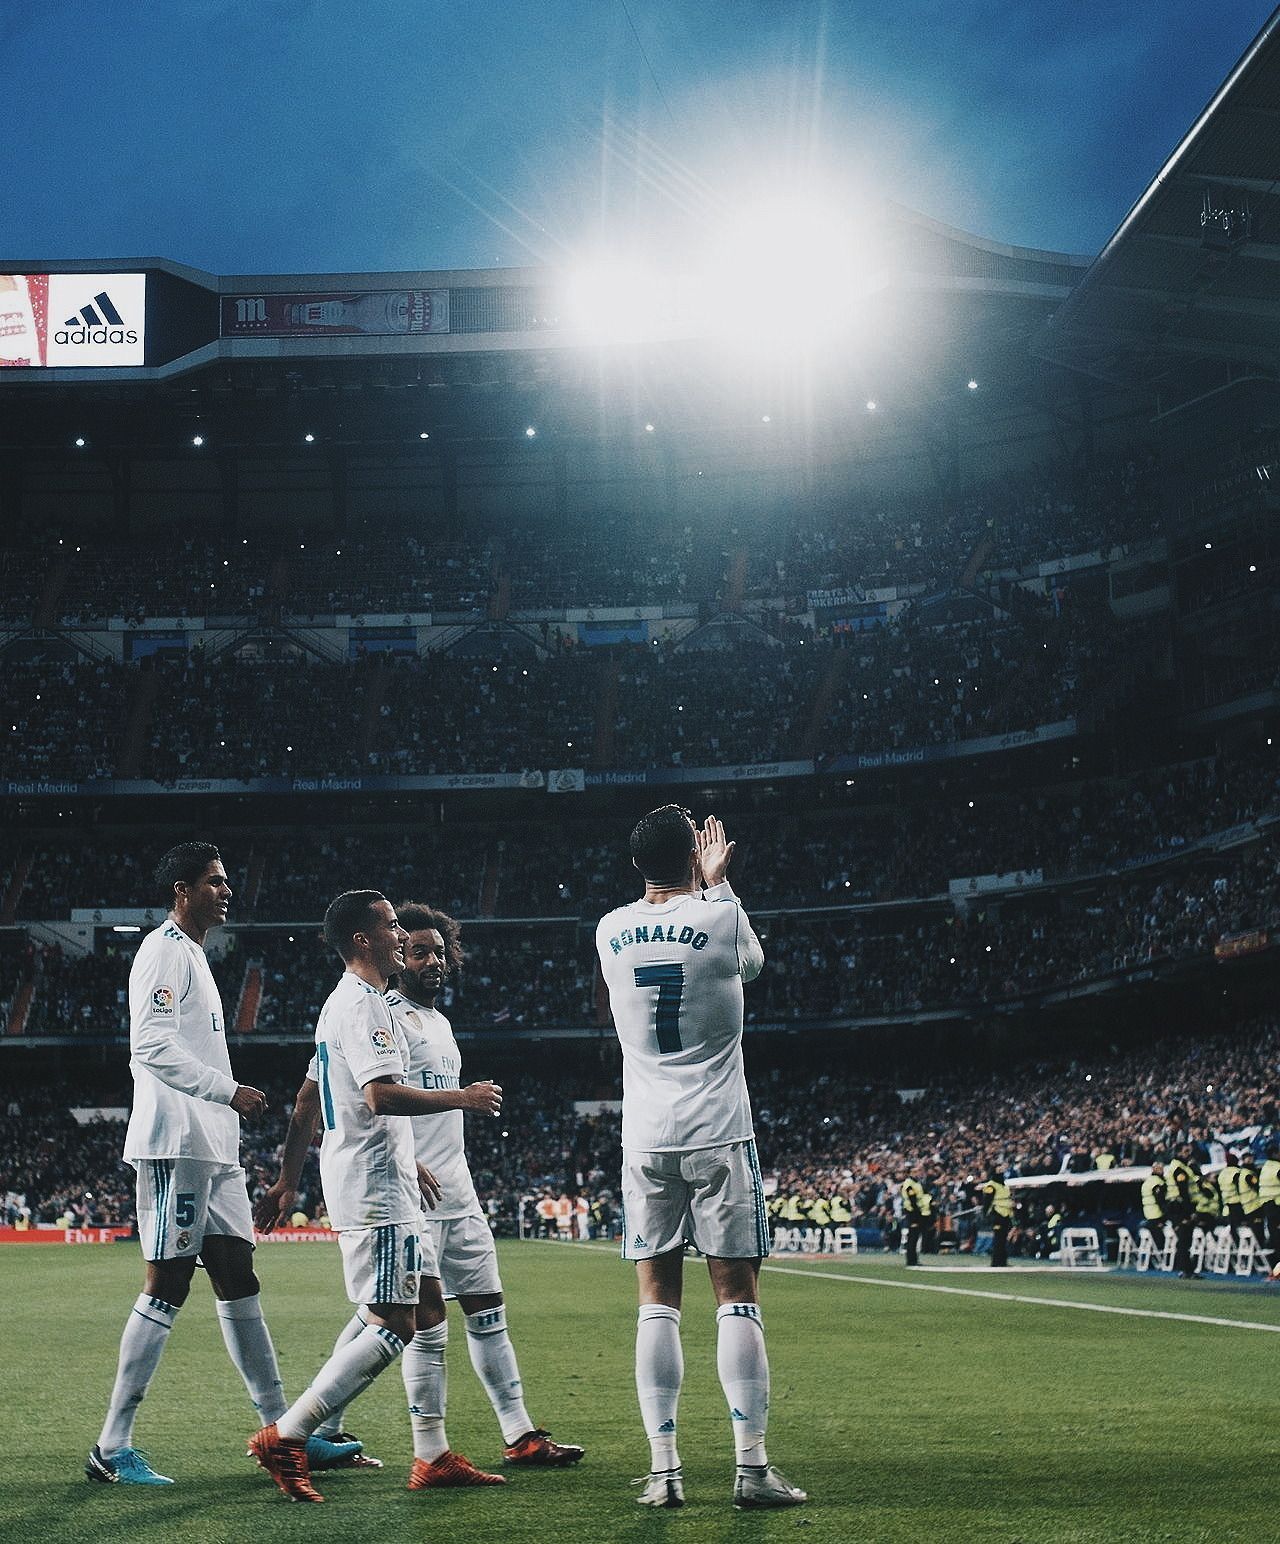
x=674 y=973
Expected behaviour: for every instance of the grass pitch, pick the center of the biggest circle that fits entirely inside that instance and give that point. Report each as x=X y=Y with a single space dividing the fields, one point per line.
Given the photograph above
x=907 y=1414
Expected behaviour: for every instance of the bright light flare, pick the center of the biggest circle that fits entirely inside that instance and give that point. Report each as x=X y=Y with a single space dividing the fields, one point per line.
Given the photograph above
x=610 y=300
x=787 y=271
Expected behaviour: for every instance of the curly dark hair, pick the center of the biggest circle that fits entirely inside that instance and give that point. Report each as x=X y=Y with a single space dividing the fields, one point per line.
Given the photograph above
x=416 y=915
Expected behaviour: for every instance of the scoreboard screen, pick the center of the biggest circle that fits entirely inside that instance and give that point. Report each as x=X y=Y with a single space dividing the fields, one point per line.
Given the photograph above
x=65 y=320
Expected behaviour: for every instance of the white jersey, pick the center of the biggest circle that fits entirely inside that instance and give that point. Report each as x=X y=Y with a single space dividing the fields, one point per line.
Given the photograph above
x=675 y=973
x=182 y=1083
x=436 y=1062
x=367 y=1166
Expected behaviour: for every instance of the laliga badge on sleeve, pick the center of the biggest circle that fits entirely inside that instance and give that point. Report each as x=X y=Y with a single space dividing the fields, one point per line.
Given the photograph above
x=382 y=1041
x=162 y=999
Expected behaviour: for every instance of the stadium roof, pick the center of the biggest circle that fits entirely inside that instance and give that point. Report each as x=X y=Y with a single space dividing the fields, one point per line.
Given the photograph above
x=1193 y=272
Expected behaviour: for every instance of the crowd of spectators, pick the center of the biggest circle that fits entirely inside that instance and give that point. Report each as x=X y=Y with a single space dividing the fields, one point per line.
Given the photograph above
x=250 y=714
x=832 y=1132
x=614 y=558
x=827 y=1136
x=843 y=963
x=579 y=868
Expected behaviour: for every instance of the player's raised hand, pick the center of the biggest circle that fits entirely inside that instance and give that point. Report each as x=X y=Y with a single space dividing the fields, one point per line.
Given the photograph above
x=429 y=1185
x=714 y=852
x=272 y=1207
x=248 y=1103
x=484 y=1097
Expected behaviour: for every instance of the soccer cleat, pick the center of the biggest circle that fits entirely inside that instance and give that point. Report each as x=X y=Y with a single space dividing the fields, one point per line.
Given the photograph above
x=285 y=1460
x=664 y=1489
x=127 y=1467
x=537 y=1450
x=765 y=1487
x=341 y=1451
x=449 y=1469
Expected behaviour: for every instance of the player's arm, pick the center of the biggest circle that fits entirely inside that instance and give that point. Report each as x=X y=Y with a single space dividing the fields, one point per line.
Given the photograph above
x=714 y=856
x=156 y=987
x=277 y=1203
x=386 y=1096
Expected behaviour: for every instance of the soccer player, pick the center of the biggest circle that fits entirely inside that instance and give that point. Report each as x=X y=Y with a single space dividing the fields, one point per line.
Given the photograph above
x=184 y=1141
x=372 y=1190
x=459 y=1257
x=674 y=963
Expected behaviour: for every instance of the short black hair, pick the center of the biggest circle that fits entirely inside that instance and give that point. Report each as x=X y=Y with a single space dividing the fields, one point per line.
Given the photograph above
x=416 y=915
x=184 y=863
x=661 y=844
x=348 y=914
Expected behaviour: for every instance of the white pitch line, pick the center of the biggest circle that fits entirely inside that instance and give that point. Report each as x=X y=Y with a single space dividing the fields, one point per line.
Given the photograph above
x=1020 y=1297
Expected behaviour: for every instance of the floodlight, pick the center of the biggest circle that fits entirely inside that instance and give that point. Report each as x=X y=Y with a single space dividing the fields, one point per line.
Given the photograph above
x=786 y=270
x=612 y=300
x=80 y=442
x=197 y=440
x=972 y=384
x=424 y=435
x=309 y=438
x=530 y=433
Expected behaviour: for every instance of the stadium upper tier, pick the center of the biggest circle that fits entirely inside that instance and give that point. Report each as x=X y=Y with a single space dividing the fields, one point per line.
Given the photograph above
x=750 y=699
x=578 y=868
x=82 y=578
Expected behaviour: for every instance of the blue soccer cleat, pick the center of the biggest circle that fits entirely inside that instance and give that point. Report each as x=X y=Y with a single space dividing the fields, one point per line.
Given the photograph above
x=340 y=1453
x=127 y=1467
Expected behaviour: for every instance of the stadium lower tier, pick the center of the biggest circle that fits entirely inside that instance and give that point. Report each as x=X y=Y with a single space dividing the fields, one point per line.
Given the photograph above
x=829 y=1130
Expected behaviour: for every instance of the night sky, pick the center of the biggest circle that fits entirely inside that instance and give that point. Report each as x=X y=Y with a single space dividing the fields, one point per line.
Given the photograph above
x=246 y=136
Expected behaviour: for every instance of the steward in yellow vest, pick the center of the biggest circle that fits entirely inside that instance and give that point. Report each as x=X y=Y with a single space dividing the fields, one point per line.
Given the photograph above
x=916 y=1206
x=1154 y=1216
x=841 y=1212
x=1229 y=1189
x=1269 y=1194
x=998 y=1201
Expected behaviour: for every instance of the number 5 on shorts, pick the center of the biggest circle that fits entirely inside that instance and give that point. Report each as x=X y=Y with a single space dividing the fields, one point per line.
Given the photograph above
x=669 y=980
x=185 y=1208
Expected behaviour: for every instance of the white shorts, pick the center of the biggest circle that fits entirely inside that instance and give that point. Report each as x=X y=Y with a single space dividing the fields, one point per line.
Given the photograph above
x=181 y=1200
x=382 y=1265
x=712 y=1198
x=465 y=1257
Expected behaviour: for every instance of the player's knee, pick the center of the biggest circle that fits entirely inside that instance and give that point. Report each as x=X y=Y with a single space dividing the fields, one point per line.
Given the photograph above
x=170 y=1280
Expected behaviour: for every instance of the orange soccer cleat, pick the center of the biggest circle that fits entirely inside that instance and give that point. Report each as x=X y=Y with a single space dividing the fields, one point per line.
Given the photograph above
x=285 y=1460
x=449 y=1469
x=538 y=1450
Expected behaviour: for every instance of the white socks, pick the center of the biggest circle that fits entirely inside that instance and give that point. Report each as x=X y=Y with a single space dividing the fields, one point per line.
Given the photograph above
x=332 y=1423
x=141 y=1347
x=743 y=1366
x=249 y=1345
x=425 y=1382
x=348 y=1372
x=494 y=1359
x=659 y=1374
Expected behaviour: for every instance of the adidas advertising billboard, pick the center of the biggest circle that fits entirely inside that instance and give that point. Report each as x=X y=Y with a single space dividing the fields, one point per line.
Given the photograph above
x=63 y=320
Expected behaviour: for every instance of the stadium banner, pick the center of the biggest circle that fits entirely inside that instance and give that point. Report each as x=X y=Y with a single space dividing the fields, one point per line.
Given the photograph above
x=296 y=1236
x=567 y=780
x=68 y=320
x=39 y=1235
x=662 y=776
x=951 y=750
x=110 y=787
x=336 y=314
x=987 y=884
